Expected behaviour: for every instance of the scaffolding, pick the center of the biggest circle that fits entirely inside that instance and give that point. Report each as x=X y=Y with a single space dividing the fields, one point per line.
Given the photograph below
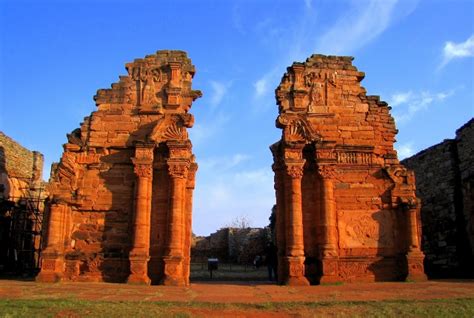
x=21 y=221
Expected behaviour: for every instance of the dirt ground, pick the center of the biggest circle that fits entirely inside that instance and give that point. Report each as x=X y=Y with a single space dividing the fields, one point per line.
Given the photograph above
x=239 y=292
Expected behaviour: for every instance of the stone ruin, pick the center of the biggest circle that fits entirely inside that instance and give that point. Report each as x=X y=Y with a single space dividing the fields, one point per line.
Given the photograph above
x=121 y=196
x=346 y=208
x=21 y=170
x=445 y=184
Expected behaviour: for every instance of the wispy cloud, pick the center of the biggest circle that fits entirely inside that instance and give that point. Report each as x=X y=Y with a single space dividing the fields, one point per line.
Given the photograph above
x=453 y=50
x=407 y=104
x=261 y=87
x=359 y=26
x=224 y=163
x=219 y=90
x=405 y=150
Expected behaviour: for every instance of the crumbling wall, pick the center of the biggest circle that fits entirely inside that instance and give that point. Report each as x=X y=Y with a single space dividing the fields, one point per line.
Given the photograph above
x=444 y=182
x=346 y=208
x=20 y=169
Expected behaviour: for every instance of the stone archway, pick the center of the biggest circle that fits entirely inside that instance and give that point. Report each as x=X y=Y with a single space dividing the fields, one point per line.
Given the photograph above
x=122 y=193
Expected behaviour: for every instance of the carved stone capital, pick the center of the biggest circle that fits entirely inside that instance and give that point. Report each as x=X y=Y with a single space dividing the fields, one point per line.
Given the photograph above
x=327 y=172
x=295 y=170
x=143 y=170
x=178 y=169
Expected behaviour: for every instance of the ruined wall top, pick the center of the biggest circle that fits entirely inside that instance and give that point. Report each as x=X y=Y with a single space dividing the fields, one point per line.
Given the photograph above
x=322 y=101
x=159 y=83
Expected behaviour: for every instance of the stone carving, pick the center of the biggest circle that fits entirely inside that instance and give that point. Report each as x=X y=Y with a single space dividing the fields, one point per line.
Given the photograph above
x=344 y=206
x=349 y=270
x=327 y=172
x=294 y=171
x=144 y=170
x=178 y=170
x=119 y=176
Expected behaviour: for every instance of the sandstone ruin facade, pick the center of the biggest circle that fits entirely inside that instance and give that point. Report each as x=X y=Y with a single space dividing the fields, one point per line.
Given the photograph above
x=445 y=185
x=346 y=208
x=121 y=196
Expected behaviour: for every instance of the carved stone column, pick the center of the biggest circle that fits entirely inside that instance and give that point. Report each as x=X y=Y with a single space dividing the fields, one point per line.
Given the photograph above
x=414 y=255
x=328 y=212
x=294 y=239
x=140 y=253
x=328 y=252
x=188 y=221
x=173 y=271
x=280 y=224
x=52 y=258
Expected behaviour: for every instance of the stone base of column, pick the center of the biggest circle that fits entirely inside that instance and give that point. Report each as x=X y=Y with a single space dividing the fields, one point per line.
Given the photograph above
x=416 y=270
x=52 y=268
x=329 y=269
x=295 y=267
x=186 y=270
x=139 y=269
x=173 y=271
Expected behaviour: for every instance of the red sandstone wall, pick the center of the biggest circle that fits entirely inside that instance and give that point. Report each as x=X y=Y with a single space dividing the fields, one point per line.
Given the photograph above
x=95 y=182
x=347 y=138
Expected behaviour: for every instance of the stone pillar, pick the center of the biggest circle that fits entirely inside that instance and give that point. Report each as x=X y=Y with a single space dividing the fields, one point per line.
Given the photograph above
x=188 y=221
x=173 y=261
x=328 y=252
x=414 y=255
x=294 y=239
x=140 y=253
x=280 y=224
x=52 y=257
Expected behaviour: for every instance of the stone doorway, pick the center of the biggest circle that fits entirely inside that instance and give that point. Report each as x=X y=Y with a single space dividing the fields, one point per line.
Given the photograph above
x=121 y=196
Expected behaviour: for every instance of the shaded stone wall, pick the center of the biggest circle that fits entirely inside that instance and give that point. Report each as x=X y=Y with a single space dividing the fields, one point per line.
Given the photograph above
x=20 y=168
x=121 y=196
x=346 y=207
x=444 y=181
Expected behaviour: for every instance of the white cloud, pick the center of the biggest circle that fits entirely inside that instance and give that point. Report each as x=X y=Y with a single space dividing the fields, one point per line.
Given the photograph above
x=453 y=50
x=359 y=26
x=261 y=87
x=219 y=90
x=405 y=150
x=407 y=104
x=400 y=98
x=222 y=164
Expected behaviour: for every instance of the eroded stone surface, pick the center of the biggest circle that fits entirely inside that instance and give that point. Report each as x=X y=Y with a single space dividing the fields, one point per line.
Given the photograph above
x=122 y=192
x=346 y=207
x=445 y=184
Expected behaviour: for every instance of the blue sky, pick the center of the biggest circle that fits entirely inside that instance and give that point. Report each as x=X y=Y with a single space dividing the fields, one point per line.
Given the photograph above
x=417 y=55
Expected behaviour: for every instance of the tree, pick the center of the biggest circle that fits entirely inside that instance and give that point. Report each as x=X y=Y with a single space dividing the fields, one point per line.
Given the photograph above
x=240 y=222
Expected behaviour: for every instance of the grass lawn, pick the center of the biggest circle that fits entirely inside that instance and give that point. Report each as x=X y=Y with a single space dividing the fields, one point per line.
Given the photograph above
x=77 y=308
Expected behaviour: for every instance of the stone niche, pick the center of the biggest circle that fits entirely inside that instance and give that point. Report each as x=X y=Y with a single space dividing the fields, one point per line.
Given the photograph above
x=121 y=196
x=346 y=208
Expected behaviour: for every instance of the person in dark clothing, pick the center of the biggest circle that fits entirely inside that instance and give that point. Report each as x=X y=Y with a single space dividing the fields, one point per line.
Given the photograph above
x=271 y=260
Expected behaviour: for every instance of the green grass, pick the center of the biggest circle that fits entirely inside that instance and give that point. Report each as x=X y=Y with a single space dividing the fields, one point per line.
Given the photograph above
x=79 y=308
